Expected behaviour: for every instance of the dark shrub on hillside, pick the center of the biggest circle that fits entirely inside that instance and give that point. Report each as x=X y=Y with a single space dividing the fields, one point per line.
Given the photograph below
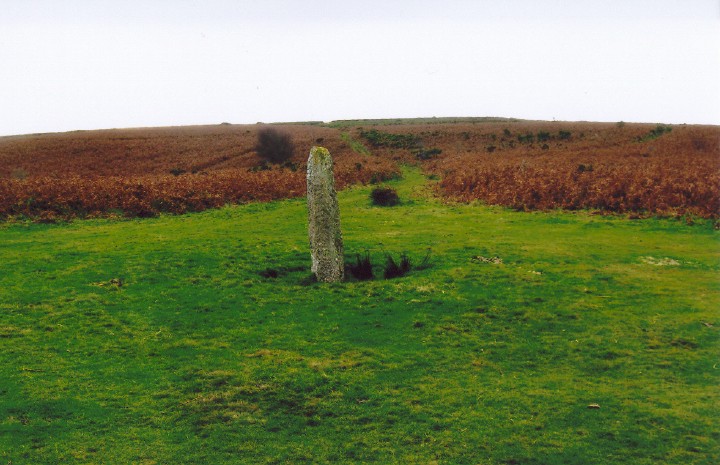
x=362 y=268
x=528 y=138
x=274 y=146
x=384 y=196
x=543 y=136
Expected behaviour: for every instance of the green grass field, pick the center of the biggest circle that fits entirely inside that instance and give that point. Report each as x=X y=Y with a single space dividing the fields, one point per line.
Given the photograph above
x=169 y=341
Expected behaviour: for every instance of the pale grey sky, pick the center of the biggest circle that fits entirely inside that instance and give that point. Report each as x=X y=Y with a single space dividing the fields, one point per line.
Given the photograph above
x=88 y=64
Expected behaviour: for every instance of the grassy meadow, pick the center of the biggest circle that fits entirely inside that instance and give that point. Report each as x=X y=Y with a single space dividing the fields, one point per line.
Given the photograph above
x=532 y=338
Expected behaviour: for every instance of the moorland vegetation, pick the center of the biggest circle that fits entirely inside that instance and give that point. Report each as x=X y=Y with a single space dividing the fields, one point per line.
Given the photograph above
x=636 y=169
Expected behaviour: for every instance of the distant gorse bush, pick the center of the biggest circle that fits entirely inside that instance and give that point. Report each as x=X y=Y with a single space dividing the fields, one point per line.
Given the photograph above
x=274 y=146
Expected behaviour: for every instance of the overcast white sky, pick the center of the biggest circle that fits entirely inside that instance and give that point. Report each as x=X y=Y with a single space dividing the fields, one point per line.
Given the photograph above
x=88 y=64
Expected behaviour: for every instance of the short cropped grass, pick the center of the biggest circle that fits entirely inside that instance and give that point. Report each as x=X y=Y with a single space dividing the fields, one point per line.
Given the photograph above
x=532 y=338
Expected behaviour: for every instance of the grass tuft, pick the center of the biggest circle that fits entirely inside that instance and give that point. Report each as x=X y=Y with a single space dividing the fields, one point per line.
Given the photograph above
x=362 y=268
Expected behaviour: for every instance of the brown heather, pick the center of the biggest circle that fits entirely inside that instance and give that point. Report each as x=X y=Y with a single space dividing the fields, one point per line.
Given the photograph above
x=606 y=169
x=639 y=169
x=144 y=172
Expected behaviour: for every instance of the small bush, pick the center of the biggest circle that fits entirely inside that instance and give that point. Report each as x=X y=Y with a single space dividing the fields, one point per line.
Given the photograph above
x=528 y=138
x=274 y=146
x=395 y=269
x=543 y=136
x=384 y=197
x=362 y=268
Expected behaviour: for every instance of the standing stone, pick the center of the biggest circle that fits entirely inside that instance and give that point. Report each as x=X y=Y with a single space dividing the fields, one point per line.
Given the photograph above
x=326 y=247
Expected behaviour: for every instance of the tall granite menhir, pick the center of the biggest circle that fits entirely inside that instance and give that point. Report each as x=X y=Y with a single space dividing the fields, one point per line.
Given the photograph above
x=326 y=247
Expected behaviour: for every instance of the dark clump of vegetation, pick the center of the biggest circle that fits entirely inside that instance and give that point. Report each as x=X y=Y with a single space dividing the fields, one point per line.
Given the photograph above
x=528 y=138
x=362 y=268
x=386 y=139
x=654 y=133
x=269 y=273
x=384 y=197
x=396 y=269
x=274 y=146
x=267 y=166
x=564 y=135
x=427 y=154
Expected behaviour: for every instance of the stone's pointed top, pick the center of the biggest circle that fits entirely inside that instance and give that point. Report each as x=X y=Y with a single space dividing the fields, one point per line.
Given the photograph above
x=320 y=152
x=318 y=148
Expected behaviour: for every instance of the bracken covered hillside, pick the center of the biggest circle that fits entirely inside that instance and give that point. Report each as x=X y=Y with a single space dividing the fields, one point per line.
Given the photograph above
x=144 y=172
x=641 y=169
